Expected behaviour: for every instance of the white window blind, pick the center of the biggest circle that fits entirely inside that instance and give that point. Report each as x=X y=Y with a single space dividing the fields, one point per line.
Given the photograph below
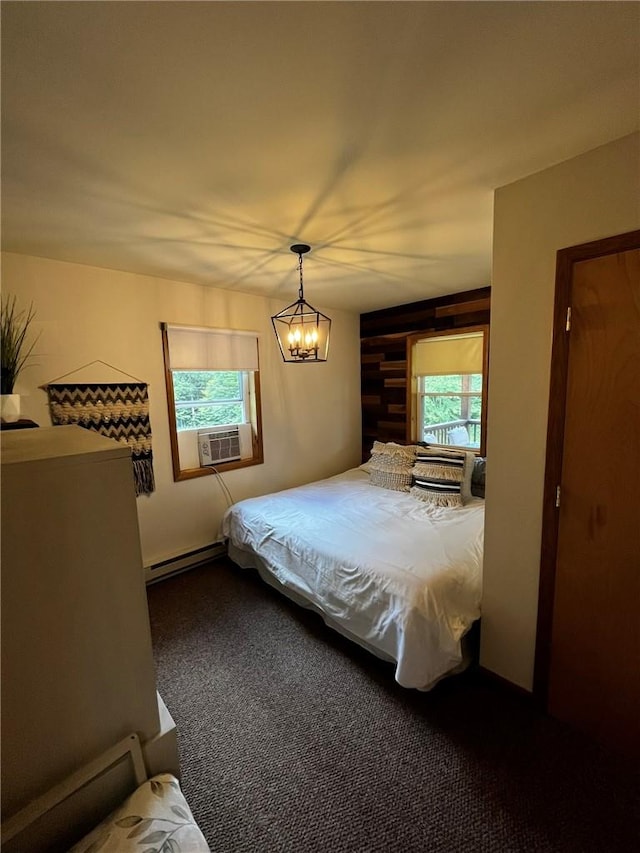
x=447 y=355
x=195 y=348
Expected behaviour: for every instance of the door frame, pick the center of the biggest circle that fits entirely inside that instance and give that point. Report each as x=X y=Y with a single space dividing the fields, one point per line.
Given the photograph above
x=565 y=259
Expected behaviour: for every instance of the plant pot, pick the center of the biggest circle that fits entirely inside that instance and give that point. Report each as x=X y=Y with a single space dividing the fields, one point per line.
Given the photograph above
x=10 y=408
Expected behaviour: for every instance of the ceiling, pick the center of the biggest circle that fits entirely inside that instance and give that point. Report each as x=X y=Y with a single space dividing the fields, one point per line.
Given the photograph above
x=198 y=141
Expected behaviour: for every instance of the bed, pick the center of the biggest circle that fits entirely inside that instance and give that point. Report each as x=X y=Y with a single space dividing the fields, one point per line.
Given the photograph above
x=400 y=576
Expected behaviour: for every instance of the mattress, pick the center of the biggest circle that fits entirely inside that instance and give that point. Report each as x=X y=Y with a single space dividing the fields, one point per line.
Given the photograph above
x=395 y=573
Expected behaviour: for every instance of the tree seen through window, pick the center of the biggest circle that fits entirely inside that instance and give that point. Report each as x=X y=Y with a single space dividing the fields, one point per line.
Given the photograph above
x=449 y=400
x=205 y=398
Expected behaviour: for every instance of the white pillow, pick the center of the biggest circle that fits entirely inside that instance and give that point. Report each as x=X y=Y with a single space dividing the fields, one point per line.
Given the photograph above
x=459 y=435
x=155 y=814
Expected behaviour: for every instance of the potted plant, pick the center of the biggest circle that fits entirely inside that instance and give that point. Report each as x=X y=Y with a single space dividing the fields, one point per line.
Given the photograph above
x=14 y=352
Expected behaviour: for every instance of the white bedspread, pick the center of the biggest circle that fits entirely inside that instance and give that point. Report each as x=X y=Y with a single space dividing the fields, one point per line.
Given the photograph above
x=395 y=572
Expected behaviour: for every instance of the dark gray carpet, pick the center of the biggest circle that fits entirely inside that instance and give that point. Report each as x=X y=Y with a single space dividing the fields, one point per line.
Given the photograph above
x=293 y=739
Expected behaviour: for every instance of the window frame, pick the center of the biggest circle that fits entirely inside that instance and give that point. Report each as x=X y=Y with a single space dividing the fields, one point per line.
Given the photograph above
x=253 y=412
x=414 y=396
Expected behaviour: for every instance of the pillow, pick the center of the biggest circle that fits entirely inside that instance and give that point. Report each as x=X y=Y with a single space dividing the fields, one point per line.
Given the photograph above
x=442 y=477
x=459 y=435
x=156 y=813
x=390 y=465
x=478 y=476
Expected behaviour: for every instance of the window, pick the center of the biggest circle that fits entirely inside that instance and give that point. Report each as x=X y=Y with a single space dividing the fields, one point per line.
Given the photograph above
x=213 y=395
x=448 y=388
x=206 y=398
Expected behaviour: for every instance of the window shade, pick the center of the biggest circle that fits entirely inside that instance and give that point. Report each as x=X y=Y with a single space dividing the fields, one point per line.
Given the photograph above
x=192 y=348
x=446 y=354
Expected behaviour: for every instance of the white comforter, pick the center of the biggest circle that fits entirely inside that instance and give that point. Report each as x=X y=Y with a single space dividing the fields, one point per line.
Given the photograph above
x=396 y=573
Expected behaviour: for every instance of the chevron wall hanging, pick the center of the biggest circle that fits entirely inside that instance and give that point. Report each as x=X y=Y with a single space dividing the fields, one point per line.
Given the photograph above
x=116 y=410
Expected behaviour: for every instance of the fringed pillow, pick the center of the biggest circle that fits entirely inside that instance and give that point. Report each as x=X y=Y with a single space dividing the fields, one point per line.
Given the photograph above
x=390 y=465
x=442 y=477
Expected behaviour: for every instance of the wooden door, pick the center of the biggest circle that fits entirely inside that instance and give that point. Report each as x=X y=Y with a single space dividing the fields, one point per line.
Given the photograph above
x=594 y=649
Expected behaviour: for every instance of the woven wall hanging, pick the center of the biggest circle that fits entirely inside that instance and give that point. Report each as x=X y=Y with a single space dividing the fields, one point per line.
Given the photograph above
x=117 y=410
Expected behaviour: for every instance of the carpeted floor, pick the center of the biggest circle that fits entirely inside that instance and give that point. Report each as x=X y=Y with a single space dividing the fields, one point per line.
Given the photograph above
x=293 y=739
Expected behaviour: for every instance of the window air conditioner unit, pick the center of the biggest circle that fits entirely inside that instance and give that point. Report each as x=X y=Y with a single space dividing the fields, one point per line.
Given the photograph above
x=224 y=444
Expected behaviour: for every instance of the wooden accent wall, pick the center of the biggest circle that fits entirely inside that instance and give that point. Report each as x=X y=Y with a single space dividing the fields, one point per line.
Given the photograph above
x=383 y=356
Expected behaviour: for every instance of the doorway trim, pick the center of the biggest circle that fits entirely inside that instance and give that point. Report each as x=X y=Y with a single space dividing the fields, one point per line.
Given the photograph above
x=565 y=259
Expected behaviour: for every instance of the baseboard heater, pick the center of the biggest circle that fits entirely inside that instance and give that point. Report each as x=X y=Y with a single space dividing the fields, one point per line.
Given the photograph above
x=184 y=561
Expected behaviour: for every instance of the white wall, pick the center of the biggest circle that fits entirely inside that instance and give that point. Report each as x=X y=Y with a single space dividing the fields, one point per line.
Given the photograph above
x=592 y=196
x=311 y=413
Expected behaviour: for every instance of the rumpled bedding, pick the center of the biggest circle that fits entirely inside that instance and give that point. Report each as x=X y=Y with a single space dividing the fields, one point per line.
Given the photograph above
x=402 y=576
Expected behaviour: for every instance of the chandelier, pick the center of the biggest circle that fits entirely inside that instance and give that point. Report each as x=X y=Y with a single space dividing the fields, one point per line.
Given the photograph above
x=302 y=332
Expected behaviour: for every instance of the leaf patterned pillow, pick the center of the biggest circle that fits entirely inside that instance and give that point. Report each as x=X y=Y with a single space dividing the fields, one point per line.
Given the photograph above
x=154 y=819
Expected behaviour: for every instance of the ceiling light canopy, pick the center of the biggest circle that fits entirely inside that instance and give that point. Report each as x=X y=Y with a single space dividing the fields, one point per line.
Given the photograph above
x=301 y=330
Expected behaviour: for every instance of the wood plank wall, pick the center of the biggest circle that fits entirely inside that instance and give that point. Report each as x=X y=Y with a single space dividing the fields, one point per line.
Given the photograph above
x=383 y=356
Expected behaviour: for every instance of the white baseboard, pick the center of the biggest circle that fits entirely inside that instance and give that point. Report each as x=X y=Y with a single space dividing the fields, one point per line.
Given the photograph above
x=182 y=562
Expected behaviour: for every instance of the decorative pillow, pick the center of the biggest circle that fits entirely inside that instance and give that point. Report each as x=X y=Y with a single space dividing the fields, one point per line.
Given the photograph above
x=156 y=814
x=390 y=465
x=442 y=477
x=459 y=435
x=478 y=476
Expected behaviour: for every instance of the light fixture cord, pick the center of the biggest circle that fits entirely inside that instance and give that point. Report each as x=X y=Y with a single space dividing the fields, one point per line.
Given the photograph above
x=300 y=291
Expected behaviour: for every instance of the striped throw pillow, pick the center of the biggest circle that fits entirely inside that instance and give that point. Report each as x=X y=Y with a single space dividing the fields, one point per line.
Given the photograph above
x=390 y=465
x=442 y=477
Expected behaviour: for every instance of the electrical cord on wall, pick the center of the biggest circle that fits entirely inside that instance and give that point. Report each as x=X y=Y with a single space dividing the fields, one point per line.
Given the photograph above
x=225 y=489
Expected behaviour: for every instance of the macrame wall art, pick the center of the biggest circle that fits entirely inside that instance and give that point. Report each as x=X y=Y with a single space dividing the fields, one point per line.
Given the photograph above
x=118 y=410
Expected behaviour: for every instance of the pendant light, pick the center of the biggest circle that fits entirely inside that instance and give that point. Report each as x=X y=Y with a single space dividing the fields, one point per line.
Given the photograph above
x=302 y=332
